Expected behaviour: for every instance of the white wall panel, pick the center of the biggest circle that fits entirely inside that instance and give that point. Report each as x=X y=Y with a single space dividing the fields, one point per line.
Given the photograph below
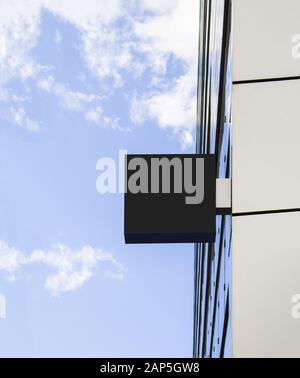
x=266 y=275
x=262 y=38
x=266 y=146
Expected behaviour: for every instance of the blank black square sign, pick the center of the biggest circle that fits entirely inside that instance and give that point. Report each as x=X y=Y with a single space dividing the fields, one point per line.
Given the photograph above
x=166 y=217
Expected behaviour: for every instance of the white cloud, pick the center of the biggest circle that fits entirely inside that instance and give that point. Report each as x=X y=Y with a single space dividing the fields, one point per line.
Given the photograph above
x=161 y=37
x=19 y=99
x=19 y=30
x=172 y=33
x=71 y=268
x=147 y=42
x=117 y=37
x=97 y=116
x=79 y=102
x=159 y=6
x=19 y=117
x=19 y=34
x=174 y=109
x=103 y=51
x=82 y=14
x=57 y=38
x=10 y=260
x=71 y=100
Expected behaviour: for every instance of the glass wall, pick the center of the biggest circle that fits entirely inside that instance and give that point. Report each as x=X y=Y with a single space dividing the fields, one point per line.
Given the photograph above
x=212 y=311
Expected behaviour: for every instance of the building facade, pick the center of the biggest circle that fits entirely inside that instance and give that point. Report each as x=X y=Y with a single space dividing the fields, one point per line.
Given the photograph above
x=212 y=321
x=247 y=283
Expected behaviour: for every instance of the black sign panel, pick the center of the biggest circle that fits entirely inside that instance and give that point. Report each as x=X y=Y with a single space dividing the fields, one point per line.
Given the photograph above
x=170 y=198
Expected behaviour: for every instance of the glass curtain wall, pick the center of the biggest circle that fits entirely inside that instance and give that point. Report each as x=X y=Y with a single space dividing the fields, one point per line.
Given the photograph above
x=212 y=305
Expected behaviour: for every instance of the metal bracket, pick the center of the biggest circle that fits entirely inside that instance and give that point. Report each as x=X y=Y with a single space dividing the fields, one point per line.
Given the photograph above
x=223 y=196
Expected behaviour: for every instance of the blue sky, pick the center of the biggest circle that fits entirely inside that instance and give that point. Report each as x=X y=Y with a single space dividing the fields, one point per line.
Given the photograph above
x=79 y=81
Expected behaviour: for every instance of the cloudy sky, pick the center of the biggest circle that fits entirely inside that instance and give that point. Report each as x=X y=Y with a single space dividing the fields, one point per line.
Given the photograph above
x=81 y=80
